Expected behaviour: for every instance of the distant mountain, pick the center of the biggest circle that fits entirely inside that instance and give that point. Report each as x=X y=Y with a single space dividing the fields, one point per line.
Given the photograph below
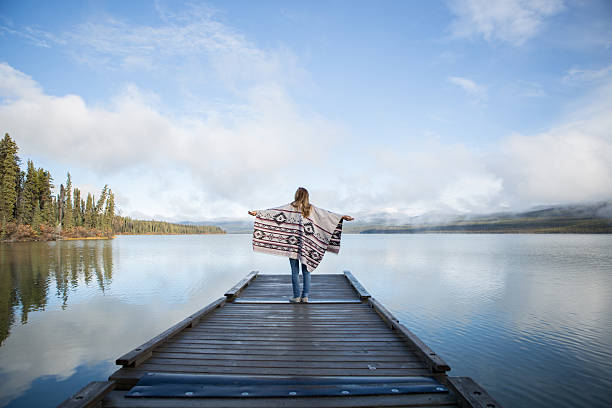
x=230 y=226
x=577 y=218
x=596 y=210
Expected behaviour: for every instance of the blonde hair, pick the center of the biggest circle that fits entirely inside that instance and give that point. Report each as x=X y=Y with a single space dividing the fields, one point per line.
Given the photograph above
x=301 y=201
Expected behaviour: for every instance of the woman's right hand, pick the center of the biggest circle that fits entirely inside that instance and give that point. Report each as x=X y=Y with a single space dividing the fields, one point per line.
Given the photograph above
x=253 y=213
x=347 y=218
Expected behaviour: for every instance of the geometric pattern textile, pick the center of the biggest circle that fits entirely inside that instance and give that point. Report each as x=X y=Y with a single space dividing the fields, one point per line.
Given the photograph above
x=286 y=232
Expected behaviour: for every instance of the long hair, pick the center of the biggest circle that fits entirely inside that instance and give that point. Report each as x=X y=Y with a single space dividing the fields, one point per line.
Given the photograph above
x=301 y=201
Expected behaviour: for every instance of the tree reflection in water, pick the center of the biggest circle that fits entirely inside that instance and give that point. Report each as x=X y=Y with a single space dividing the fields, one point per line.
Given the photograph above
x=27 y=270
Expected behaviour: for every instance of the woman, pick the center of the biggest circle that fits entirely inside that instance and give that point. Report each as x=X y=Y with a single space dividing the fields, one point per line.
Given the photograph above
x=301 y=231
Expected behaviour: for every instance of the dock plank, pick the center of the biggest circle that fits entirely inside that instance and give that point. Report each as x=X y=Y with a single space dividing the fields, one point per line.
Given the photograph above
x=190 y=354
x=344 y=332
x=348 y=352
x=278 y=288
x=304 y=363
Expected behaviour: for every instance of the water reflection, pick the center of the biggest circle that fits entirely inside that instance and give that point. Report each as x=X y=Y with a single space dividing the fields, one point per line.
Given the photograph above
x=30 y=271
x=97 y=300
x=525 y=316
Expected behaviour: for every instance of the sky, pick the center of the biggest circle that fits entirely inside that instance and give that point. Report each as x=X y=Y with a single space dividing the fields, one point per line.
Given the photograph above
x=204 y=110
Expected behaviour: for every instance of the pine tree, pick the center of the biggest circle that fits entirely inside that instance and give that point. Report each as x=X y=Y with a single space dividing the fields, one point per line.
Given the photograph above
x=99 y=206
x=48 y=215
x=19 y=205
x=68 y=214
x=88 y=218
x=30 y=197
x=44 y=196
x=9 y=178
x=109 y=213
x=78 y=217
x=83 y=223
x=111 y=208
x=37 y=216
x=61 y=198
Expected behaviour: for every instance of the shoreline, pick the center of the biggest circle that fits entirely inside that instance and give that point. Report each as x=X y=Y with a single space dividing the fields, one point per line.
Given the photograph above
x=79 y=238
x=174 y=233
x=39 y=239
x=366 y=232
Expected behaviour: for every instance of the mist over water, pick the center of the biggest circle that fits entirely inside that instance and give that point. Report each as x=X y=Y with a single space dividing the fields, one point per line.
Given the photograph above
x=526 y=316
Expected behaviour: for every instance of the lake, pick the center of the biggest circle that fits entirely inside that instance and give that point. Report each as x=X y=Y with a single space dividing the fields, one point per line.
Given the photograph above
x=529 y=317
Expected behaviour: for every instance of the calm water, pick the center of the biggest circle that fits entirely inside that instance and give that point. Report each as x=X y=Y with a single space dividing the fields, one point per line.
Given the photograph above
x=527 y=316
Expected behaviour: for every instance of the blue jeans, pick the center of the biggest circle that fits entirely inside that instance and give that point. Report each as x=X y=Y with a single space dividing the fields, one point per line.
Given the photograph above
x=295 y=278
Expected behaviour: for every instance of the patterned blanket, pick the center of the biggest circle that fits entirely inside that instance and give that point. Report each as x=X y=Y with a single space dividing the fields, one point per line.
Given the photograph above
x=284 y=231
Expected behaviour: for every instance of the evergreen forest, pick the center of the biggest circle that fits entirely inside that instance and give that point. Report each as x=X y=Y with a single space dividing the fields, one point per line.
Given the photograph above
x=30 y=211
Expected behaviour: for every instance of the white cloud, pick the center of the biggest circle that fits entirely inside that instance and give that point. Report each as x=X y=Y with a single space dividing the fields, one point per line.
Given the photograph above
x=192 y=46
x=472 y=88
x=571 y=162
x=255 y=146
x=528 y=89
x=34 y=35
x=16 y=85
x=472 y=191
x=268 y=142
x=582 y=75
x=438 y=177
x=191 y=52
x=510 y=21
x=232 y=127
x=193 y=167
x=565 y=164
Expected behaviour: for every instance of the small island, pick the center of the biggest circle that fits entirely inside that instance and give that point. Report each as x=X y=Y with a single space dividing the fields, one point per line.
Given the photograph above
x=30 y=212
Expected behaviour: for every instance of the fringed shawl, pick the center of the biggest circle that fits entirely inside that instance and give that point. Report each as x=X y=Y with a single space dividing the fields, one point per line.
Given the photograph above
x=284 y=231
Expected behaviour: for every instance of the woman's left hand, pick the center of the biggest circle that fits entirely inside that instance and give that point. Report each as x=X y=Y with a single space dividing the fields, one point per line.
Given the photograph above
x=253 y=213
x=347 y=218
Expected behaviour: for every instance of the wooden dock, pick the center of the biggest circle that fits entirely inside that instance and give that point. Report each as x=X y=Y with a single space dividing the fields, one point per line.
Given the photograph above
x=252 y=348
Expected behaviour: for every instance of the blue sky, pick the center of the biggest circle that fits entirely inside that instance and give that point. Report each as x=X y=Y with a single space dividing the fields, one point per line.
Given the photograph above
x=203 y=110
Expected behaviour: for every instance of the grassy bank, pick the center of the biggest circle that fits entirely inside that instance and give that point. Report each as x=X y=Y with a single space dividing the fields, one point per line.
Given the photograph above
x=13 y=232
